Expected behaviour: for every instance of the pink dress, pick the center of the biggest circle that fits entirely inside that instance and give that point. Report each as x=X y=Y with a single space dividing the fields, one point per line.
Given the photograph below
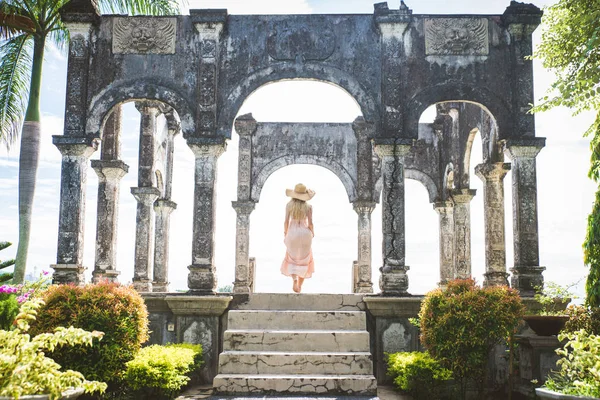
x=298 y=240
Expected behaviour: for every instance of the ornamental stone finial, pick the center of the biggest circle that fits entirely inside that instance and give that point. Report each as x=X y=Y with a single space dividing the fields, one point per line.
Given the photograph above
x=80 y=11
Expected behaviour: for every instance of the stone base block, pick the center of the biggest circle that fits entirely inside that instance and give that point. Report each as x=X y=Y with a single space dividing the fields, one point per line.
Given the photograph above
x=160 y=287
x=527 y=279
x=68 y=273
x=142 y=285
x=309 y=363
x=298 y=384
x=394 y=281
x=308 y=301
x=291 y=320
x=333 y=341
x=202 y=279
x=495 y=279
x=109 y=275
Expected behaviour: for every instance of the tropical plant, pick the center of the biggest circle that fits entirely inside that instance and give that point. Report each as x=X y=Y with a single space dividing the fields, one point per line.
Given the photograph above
x=570 y=48
x=21 y=58
x=118 y=311
x=24 y=367
x=579 y=372
x=553 y=298
x=461 y=325
x=582 y=317
x=418 y=374
x=159 y=372
x=9 y=306
x=5 y=264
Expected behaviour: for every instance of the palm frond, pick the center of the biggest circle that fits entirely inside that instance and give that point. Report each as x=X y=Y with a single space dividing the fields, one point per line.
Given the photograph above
x=15 y=75
x=13 y=24
x=140 y=7
x=60 y=36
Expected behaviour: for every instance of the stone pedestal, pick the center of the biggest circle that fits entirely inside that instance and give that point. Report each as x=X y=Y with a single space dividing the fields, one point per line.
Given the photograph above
x=527 y=274
x=393 y=281
x=364 y=283
x=109 y=176
x=163 y=209
x=243 y=278
x=445 y=210
x=492 y=176
x=537 y=357
x=462 y=232
x=69 y=254
x=144 y=237
x=202 y=276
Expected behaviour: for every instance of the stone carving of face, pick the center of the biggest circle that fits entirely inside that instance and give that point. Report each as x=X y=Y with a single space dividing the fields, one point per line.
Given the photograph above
x=143 y=36
x=457 y=39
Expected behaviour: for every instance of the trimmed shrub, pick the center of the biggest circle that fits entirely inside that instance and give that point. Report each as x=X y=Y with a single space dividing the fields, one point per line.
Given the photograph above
x=581 y=317
x=118 y=311
x=418 y=374
x=159 y=372
x=9 y=306
x=461 y=325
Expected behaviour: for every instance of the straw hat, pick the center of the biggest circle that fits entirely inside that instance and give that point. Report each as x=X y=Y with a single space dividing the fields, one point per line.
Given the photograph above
x=300 y=192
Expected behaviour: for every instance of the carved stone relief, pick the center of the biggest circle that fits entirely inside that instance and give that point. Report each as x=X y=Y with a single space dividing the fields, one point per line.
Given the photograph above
x=146 y=35
x=456 y=36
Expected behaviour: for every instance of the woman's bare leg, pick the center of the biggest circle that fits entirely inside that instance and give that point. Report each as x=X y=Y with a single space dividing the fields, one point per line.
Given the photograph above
x=300 y=282
x=295 y=286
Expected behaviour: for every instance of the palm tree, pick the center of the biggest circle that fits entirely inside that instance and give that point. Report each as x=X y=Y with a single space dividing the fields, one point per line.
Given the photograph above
x=25 y=27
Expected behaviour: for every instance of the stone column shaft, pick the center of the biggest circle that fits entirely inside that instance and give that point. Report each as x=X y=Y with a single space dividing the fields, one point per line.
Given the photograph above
x=527 y=273
x=202 y=277
x=446 y=212
x=111 y=136
x=109 y=177
x=492 y=176
x=462 y=232
x=364 y=282
x=243 y=276
x=394 y=280
x=149 y=111
x=144 y=237
x=69 y=254
x=163 y=209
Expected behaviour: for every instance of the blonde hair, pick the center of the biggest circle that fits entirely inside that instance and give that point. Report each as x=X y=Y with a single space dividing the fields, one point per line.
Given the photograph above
x=298 y=209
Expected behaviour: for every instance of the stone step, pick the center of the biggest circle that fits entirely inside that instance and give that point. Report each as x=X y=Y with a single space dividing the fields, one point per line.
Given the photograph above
x=361 y=385
x=306 y=340
x=313 y=363
x=262 y=319
x=304 y=301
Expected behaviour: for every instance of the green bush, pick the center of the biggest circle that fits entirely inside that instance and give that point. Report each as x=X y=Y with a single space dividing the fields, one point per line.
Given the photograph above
x=6 y=276
x=581 y=317
x=579 y=367
x=461 y=325
x=118 y=311
x=24 y=367
x=159 y=372
x=9 y=306
x=418 y=374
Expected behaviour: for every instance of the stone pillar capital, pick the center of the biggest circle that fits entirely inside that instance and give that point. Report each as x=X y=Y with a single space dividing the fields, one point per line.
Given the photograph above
x=145 y=195
x=110 y=170
x=149 y=107
x=444 y=207
x=462 y=196
x=75 y=146
x=392 y=147
x=363 y=129
x=364 y=206
x=245 y=125
x=243 y=207
x=164 y=206
x=524 y=148
x=201 y=149
x=492 y=172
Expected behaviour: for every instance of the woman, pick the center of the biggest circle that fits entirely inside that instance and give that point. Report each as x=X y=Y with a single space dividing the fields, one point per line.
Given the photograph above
x=298 y=231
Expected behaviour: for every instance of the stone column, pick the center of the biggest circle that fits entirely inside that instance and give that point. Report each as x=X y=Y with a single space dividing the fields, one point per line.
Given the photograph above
x=527 y=273
x=202 y=276
x=394 y=280
x=162 y=209
x=243 y=278
x=445 y=209
x=144 y=237
x=492 y=176
x=363 y=281
x=69 y=253
x=462 y=232
x=149 y=111
x=109 y=174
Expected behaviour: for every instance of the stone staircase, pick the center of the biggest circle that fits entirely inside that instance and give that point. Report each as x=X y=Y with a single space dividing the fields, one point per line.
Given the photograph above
x=293 y=344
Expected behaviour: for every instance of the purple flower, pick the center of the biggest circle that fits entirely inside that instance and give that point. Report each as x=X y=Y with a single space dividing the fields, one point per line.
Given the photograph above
x=45 y=273
x=8 y=289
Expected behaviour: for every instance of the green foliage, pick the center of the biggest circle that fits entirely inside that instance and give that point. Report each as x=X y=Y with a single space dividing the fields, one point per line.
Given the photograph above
x=24 y=368
x=581 y=317
x=161 y=371
x=5 y=264
x=418 y=374
x=9 y=306
x=579 y=367
x=118 y=311
x=553 y=298
x=225 y=289
x=460 y=325
x=570 y=48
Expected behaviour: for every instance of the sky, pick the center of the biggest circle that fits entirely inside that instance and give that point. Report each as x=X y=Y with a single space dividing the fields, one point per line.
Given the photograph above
x=565 y=194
